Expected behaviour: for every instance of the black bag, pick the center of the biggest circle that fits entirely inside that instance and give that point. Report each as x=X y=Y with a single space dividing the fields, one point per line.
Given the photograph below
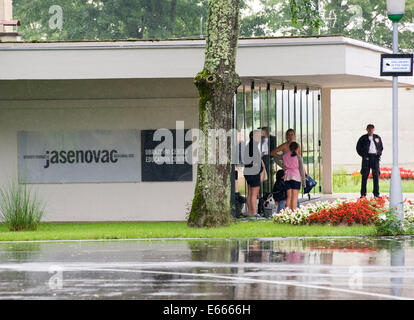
x=239 y=201
x=260 y=206
x=279 y=191
x=279 y=188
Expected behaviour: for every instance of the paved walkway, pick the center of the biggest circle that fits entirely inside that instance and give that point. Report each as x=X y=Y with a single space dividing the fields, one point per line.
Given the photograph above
x=324 y=197
x=335 y=196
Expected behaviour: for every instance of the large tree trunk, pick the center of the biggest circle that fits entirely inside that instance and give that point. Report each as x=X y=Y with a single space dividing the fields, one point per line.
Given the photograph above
x=216 y=84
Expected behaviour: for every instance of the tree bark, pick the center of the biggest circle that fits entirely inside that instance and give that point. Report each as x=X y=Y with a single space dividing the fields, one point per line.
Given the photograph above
x=216 y=84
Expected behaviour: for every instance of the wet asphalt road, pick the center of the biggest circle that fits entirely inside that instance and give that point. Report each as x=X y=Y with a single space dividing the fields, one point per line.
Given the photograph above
x=329 y=268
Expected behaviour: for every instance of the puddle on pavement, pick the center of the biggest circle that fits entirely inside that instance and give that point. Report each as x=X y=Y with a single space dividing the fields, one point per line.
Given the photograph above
x=351 y=268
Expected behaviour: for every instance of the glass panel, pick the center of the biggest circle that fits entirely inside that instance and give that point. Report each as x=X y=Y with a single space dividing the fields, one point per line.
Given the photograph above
x=245 y=134
x=272 y=131
x=310 y=156
x=274 y=109
x=286 y=117
x=291 y=109
x=297 y=114
x=264 y=113
x=272 y=114
x=306 y=154
x=263 y=120
x=239 y=120
x=304 y=123
x=302 y=113
x=256 y=109
x=279 y=117
x=249 y=111
x=319 y=137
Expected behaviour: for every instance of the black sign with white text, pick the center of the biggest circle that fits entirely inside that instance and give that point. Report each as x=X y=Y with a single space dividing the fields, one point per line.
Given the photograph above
x=396 y=65
x=174 y=166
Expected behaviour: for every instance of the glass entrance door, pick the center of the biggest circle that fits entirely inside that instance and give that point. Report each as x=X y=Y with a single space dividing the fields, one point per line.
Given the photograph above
x=273 y=109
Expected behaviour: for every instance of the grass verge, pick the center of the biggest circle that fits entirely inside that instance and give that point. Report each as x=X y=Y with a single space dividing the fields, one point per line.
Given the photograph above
x=144 y=230
x=347 y=186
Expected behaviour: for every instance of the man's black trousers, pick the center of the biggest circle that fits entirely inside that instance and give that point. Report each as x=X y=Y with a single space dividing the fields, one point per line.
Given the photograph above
x=370 y=163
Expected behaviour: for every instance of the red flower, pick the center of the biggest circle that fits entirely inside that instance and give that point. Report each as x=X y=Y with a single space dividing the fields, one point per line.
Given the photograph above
x=362 y=211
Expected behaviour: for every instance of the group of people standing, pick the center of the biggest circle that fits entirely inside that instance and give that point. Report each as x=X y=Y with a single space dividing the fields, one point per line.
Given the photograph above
x=287 y=155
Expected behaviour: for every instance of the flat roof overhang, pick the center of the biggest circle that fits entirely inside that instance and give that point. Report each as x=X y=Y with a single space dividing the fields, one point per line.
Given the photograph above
x=325 y=62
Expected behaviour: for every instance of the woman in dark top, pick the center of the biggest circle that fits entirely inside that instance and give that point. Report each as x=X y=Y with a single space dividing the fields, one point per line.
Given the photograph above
x=252 y=171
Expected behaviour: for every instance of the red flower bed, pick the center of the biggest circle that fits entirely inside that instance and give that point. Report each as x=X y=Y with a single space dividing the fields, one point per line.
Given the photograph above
x=386 y=173
x=362 y=211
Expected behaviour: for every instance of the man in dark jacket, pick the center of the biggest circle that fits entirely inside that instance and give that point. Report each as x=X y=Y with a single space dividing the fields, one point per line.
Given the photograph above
x=369 y=147
x=270 y=142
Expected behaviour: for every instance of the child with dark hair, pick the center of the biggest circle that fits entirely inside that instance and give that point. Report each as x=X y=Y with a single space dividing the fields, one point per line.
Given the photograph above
x=293 y=147
x=279 y=190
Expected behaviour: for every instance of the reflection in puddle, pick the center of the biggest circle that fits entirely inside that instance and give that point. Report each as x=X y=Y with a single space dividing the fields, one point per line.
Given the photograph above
x=352 y=268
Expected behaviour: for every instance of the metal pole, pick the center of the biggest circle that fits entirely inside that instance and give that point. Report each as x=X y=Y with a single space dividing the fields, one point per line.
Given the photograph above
x=396 y=199
x=269 y=127
x=244 y=131
x=283 y=111
x=232 y=166
x=294 y=107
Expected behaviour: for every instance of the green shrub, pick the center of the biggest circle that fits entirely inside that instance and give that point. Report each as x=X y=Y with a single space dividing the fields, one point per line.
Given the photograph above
x=388 y=224
x=20 y=208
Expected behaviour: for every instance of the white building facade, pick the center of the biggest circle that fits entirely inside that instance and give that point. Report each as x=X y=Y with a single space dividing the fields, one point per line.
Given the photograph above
x=95 y=97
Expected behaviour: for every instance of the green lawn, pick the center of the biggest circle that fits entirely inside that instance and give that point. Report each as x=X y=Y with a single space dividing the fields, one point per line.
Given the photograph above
x=346 y=185
x=141 y=230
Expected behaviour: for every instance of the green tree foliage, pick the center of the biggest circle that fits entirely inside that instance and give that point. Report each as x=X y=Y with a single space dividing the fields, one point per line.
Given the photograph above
x=160 y=19
x=365 y=20
x=111 y=19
